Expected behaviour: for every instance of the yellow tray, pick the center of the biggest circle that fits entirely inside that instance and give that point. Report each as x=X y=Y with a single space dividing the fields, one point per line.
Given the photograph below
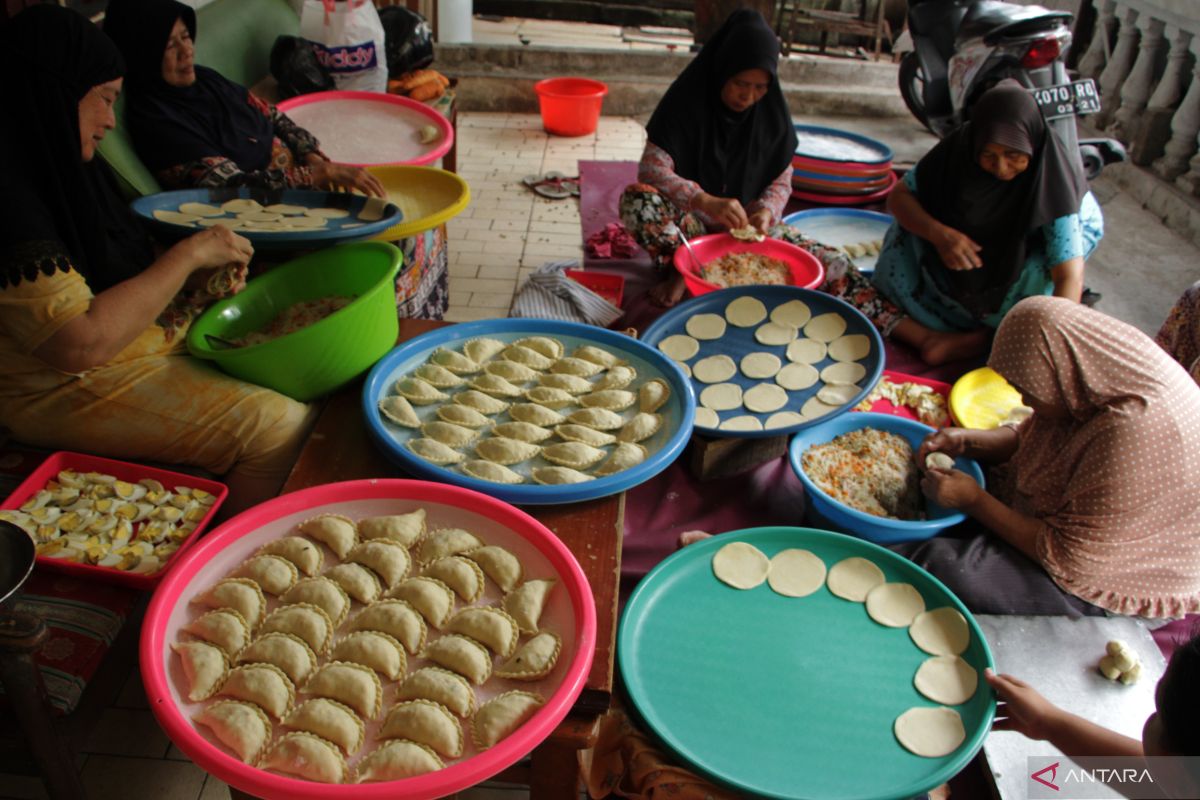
x=426 y=195
x=982 y=399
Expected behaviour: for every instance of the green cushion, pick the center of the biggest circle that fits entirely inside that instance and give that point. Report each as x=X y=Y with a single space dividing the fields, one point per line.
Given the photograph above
x=234 y=37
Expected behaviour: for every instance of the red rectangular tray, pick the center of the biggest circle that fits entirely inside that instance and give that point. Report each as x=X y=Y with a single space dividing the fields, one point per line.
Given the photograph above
x=606 y=284
x=126 y=471
x=883 y=406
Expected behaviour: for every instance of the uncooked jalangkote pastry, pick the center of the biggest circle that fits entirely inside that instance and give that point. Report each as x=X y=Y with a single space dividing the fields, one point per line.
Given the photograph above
x=427 y=722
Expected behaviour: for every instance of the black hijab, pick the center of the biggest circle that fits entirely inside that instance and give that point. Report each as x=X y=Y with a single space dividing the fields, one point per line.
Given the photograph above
x=727 y=153
x=50 y=58
x=1003 y=217
x=174 y=125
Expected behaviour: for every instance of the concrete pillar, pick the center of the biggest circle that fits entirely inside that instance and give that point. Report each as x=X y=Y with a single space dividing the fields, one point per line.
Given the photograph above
x=1170 y=86
x=1092 y=62
x=1135 y=91
x=1185 y=127
x=1118 y=66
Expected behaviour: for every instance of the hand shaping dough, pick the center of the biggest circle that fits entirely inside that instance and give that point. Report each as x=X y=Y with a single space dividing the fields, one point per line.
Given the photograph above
x=895 y=605
x=939 y=461
x=796 y=573
x=741 y=565
x=853 y=578
x=930 y=732
x=946 y=679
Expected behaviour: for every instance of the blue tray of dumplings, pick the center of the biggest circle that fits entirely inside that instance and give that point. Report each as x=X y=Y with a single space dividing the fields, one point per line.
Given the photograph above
x=346 y=229
x=785 y=697
x=738 y=342
x=664 y=446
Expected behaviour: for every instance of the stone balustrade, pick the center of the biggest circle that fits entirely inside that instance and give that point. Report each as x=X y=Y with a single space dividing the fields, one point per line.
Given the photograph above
x=1145 y=58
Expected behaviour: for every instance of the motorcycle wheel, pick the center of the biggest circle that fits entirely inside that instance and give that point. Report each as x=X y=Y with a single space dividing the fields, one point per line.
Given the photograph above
x=912 y=88
x=1093 y=162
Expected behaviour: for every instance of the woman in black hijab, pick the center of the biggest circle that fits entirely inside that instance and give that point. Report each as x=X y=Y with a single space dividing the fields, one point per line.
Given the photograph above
x=998 y=211
x=193 y=127
x=719 y=148
x=91 y=322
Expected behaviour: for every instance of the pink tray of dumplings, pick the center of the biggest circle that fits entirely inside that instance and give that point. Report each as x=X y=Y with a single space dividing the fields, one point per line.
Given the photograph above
x=570 y=612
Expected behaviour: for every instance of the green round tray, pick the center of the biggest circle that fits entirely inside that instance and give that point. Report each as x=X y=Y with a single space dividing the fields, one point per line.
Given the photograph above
x=787 y=697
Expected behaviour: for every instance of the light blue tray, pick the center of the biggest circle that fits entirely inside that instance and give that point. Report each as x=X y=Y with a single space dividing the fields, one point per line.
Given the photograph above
x=786 y=697
x=664 y=446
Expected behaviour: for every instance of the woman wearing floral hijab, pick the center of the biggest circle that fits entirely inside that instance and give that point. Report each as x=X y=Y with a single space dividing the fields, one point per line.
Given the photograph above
x=1102 y=489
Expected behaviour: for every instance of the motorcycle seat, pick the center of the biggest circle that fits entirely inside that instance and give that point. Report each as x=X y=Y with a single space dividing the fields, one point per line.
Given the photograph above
x=993 y=19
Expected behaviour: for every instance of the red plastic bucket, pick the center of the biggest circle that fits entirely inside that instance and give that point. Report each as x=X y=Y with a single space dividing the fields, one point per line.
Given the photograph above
x=570 y=106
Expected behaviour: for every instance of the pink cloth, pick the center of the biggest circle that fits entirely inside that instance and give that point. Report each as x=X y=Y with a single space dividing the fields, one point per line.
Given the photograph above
x=611 y=242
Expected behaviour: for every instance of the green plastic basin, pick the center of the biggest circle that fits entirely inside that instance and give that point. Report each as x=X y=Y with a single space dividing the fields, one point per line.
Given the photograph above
x=325 y=355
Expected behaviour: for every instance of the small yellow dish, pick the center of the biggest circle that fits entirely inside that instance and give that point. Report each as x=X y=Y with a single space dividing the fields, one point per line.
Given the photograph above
x=982 y=399
x=427 y=197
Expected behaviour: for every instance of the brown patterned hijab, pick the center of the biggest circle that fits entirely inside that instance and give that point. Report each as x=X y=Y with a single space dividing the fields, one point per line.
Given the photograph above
x=1113 y=470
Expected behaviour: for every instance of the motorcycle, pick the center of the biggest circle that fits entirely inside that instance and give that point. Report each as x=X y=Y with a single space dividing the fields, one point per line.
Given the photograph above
x=955 y=50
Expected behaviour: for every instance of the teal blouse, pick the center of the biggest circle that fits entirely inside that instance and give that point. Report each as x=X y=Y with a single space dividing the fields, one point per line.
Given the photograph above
x=899 y=273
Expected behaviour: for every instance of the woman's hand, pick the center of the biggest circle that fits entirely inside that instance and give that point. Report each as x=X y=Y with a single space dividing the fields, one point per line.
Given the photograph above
x=219 y=282
x=950 y=488
x=214 y=248
x=725 y=211
x=957 y=250
x=951 y=441
x=761 y=220
x=343 y=177
x=1021 y=707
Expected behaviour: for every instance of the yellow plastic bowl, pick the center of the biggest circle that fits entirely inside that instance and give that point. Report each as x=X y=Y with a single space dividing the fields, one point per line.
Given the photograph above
x=982 y=399
x=425 y=195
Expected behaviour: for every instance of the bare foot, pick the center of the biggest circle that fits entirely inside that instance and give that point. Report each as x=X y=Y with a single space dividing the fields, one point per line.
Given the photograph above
x=941 y=348
x=691 y=537
x=669 y=292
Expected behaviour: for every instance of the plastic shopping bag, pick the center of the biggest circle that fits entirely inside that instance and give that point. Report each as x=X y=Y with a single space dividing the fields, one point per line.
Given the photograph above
x=348 y=40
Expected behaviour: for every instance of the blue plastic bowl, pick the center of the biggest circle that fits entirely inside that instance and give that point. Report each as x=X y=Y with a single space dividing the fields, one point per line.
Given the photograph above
x=880 y=530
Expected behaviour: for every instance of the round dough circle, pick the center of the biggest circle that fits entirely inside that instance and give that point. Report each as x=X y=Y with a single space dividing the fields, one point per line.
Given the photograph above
x=813 y=408
x=853 y=578
x=782 y=419
x=775 y=334
x=741 y=565
x=328 y=213
x=930 y=732
x=944 y=679
x=286 y=209
x=895 y=605
x=200 y=210
x=722 y=397
x=837 y=394
x=745 y=311
x=794 y=313
x=705 y=326
x=679 y=347
x=794 y=377
x=826 y=327
x=714 y=369
x=844 y=372
x=745 y=422
x=941 y=632
x=796 y=573
x=938 y=460
x=806 y=351
x=707 y=418
x=850 y=348
x=760 y=365
x=175 y=217
x=765 y=397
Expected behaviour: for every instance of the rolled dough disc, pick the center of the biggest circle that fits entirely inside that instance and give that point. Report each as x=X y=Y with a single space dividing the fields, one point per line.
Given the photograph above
x=930 y=732
x=200 y=210
x=844 y=372
x=760 y=365
x=765 y=397
x=895 y=605
x=814 y=408
x=238 y=205
x=945 y=679
x=941 y=632
x=722 y=397
x=175 y=217
x=285 y=209
x=837 y=394
x=852 y=578
x=210 y=222
x=745 y=312
x=259 y=216
x=744 y=422
x=328 y=213
x=707 y=418
x=705 y=326
x=826 y=327
x=305 y=222
x=794 y=313
x=679 y=347
x=806 y=351
x=714 y=369
x=795 y=377
x=773 y=334
x=796 y=573
x=850 y=348
x=687 y=371
x=782 y=419
x=741 y=565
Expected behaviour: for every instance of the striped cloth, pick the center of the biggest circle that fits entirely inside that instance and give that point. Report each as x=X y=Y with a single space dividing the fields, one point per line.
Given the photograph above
x=550 y=294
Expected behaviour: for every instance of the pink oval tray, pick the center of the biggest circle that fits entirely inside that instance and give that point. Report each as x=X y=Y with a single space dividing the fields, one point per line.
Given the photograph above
x=570 y=612
x=345 y=121
x=846 y=200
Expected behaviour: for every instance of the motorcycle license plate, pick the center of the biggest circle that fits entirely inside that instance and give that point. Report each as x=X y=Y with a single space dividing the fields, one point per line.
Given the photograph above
x=1068 y=99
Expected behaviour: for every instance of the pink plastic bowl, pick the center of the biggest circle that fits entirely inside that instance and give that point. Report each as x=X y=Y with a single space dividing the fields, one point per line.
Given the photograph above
x=570 y=106
x=807 y=270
